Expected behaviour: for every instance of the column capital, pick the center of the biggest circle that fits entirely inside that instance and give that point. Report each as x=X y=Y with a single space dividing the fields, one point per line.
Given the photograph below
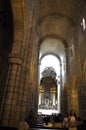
x=15 y=58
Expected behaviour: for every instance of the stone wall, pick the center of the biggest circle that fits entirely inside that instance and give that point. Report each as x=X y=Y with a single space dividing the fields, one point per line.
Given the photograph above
x=32 y=21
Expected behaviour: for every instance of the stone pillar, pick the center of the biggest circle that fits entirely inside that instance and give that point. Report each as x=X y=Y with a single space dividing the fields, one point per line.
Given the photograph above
x=12 y=95
x=81 y=97
x=68 y=81
x=60 y=91
x=59 y=98
x=74 y=95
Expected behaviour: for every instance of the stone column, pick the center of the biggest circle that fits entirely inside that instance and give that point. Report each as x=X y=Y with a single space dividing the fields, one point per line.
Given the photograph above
x=68 y=80
x=60 y=91
x=12 y=96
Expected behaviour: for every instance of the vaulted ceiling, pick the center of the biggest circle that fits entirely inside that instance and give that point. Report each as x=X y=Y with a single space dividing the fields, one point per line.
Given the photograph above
x=56 y=24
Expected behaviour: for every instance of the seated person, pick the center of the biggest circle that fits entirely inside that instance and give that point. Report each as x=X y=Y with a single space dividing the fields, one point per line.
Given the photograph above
x=72 y=121
x=23 y=126
x=65 y=120
x=57 y=121
x=46 y=122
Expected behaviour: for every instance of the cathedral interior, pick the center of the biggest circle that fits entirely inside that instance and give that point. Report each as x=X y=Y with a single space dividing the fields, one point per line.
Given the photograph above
x=31 y=30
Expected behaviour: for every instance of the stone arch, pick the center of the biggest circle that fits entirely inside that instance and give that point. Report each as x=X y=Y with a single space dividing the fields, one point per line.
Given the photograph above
x=50 y=53
x=43 y=17
x=6 y=26
x=60 y=43
x=48 y=25
x=57 y=73
x=18 y=25
x=6 y=41
x=16 y=65
x=55 y=36
x=6 y=36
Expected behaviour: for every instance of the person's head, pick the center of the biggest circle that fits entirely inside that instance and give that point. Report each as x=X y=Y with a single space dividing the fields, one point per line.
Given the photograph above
x=46 y=120
x=23 y=126
x=66 y=114
x=72 y=113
